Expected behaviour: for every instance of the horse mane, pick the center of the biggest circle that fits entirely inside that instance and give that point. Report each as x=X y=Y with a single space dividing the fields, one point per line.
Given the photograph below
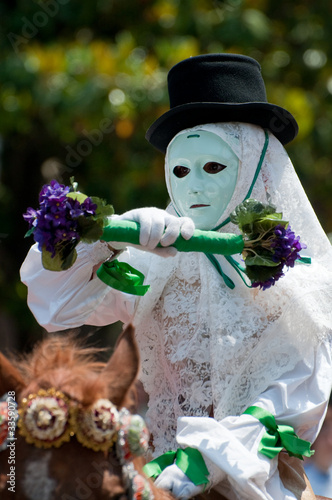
x=63 y=362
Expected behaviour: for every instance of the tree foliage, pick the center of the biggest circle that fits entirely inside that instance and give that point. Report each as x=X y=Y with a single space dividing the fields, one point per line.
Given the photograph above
x=82 y=81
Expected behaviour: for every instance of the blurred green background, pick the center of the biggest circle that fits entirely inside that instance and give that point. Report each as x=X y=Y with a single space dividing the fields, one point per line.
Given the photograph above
x=82 y=81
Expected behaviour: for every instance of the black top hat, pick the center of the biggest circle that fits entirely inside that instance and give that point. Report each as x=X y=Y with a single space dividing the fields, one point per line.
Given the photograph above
x=216 y=88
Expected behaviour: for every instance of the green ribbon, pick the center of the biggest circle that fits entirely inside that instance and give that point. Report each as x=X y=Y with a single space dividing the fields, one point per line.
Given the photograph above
x=189 y=460
x=278 y=437
x=216 y=263
x=253 y=182
x=123 y=277
x=304 y=260
x=233 y=263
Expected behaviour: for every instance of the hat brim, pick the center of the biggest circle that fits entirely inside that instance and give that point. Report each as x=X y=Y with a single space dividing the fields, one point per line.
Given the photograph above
x=276 y=119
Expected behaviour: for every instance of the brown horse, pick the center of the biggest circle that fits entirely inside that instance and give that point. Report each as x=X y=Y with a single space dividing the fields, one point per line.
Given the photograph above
x=68 y=470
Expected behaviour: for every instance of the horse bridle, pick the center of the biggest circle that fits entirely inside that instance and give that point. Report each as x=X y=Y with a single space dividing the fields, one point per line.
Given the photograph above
x=49 y=418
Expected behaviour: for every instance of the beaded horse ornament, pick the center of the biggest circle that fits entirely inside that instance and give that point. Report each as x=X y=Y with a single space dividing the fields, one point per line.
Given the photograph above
x=75 y=435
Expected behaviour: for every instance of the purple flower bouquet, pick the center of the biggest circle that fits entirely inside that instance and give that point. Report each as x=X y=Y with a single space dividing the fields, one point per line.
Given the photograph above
x=66 y=216
x=269 y=245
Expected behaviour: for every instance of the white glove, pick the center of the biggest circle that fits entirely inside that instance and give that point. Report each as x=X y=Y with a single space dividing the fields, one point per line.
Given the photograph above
x=173 y=479
x=157 y=226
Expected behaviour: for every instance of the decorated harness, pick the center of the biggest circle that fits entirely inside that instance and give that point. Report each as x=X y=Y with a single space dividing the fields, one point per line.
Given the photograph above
x=50 y=418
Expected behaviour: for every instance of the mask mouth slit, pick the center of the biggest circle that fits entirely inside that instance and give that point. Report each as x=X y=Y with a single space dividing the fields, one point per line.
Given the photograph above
x=199 y=205
x=193 y=135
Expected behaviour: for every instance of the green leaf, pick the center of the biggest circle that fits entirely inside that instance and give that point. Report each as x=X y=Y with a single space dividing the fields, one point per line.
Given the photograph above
x=63 y=259
x=76 y=195
x=249 y=211
x=30 y=232
x=69 y=260
x=103 y=209
x=262 y=273
x=263 y=225
x=260 y=260
x=275 y=216
x=51 y=263
x=90 y=229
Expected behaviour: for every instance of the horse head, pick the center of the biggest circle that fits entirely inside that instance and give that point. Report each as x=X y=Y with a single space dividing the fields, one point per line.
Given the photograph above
x=76 y=438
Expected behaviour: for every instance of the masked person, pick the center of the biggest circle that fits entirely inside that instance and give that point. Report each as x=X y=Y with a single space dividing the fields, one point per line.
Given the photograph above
x=210 y=346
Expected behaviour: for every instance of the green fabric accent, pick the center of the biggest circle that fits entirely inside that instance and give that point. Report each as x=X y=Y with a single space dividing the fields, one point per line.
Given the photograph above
x=259 y=166
x=189 y=460
x=122 y=231
x=209 y=241
x=227 y=279
x=304 y=260
x=238 y=268
x=278 y=437
x=226 y=221
x=156 y=466
x=258 y=169
x=123 y=277
x=201 y=241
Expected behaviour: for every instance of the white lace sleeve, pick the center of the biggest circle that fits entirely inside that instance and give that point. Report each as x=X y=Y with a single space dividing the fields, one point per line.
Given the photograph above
x=62 y=300
x=230 y=446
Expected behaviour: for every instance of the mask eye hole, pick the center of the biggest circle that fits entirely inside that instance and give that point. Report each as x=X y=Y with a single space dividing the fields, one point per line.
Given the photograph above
x=180 y=171
x=212 y=167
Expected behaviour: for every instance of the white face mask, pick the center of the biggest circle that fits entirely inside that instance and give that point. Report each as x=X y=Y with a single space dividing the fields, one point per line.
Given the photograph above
x=203 y=175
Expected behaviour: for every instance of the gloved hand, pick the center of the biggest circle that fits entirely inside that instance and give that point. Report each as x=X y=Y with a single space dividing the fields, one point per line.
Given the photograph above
x=157 y=226
x=174 y=480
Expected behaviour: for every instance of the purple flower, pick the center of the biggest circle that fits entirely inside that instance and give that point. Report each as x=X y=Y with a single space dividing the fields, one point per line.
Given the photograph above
x=75 y=208
x=264 y=285
x=56 y=221
x=62 y=221
x=31 y=217
x=43 y=239
x=89 y=207
x=56 y=218
x=53 y=193
x=65 y=234
x=286 y=246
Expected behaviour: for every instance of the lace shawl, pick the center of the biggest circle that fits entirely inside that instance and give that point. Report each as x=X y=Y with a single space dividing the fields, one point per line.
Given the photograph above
x=204 y=346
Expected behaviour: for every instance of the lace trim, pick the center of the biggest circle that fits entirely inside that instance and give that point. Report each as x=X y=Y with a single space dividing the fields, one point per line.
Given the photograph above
x=95 y=252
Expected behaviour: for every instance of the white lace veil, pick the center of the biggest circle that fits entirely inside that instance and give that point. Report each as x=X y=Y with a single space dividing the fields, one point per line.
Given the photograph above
x=277 y=182
x=204 y=344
